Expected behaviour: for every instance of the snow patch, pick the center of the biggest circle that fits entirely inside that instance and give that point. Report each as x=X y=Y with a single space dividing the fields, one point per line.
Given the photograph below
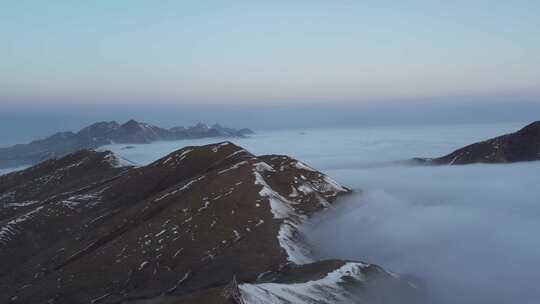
x=74 y=201
x=328 y=185
x=206 y=205
x=236 y=153
x=22 y=204
x=302 y=166
x=305 y=189
x=118 y=162
x=216 y=147
x=279 y=205
x=11 y=228
x=236 y=235
x=143 y=264
x=160 y=233
x=325 y=290
x=235 y=166
x=294 y=192
x=288 y=235
x=184 y=187
x=262 y=167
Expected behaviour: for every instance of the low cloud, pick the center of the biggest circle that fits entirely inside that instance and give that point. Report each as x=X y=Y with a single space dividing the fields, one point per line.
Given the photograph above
x=468 y=233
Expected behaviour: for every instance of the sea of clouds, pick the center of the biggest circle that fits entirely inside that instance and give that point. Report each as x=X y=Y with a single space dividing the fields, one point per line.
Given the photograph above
x=468 y=234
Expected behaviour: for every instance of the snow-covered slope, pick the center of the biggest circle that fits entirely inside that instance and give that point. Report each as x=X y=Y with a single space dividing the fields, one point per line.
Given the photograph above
x=328 y=289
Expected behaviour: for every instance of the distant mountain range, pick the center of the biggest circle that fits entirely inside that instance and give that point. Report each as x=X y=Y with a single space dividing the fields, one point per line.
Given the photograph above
x=523 y=145
x=105 y=133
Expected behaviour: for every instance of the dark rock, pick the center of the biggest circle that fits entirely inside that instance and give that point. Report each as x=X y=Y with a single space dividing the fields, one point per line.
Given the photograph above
x=523 y=145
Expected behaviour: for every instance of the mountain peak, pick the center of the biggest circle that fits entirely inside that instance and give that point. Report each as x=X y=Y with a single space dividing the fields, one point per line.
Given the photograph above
x=99 y=129
x=131 y=123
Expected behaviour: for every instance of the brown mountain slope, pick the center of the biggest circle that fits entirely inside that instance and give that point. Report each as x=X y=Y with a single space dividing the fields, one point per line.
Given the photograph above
x=83 y=230
x=523 y=145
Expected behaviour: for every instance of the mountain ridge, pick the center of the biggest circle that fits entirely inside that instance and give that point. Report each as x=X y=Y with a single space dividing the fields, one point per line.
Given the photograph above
x=83 y=229
x=105 y=133
x=519 y=146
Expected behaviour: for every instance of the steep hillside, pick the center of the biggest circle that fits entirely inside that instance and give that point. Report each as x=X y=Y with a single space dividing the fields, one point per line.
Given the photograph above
x=523 y=145
x=84 y=229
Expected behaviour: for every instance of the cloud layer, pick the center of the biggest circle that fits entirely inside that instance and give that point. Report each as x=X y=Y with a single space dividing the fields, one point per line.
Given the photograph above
x=468 y=233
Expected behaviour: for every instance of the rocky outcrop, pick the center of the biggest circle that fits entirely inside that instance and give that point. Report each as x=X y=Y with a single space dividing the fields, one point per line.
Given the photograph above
x=209 y=224
x=105 y=133
x=523 y=145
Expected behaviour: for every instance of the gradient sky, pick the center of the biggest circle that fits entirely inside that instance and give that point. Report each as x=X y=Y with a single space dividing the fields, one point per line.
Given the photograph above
x=250 y=52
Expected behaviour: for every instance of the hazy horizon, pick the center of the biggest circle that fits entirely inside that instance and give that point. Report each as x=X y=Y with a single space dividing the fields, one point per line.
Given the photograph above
x=26 y=124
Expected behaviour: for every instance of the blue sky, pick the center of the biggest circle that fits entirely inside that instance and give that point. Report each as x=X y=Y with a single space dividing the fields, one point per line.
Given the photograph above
x=250 y=52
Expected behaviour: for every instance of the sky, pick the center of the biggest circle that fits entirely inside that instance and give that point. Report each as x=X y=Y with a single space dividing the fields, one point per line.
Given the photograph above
x=104 y=57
